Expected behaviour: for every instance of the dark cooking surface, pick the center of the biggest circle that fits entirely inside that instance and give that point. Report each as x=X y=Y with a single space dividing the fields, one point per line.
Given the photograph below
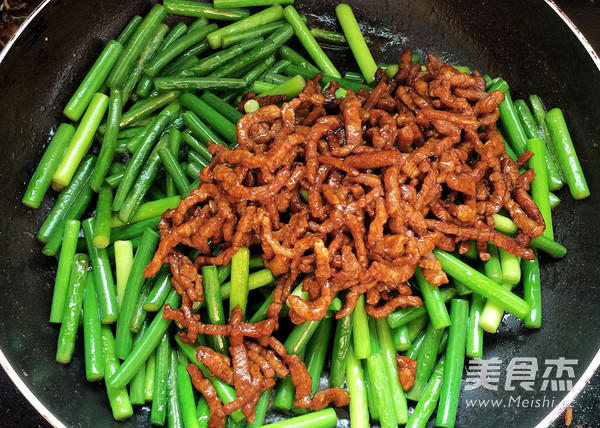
x=16 y=411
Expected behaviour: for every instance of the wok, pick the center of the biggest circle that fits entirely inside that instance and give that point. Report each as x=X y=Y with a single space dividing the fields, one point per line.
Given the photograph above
x=527 y=43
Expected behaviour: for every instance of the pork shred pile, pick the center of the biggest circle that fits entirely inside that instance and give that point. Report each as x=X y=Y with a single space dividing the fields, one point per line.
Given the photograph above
x=352 y=195
x=256 y=357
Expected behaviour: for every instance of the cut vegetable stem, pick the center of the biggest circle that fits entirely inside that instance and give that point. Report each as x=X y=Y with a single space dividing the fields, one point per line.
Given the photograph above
x=356 y=42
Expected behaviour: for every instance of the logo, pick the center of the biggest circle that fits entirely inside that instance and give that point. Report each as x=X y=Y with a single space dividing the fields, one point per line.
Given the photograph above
x=522 y=375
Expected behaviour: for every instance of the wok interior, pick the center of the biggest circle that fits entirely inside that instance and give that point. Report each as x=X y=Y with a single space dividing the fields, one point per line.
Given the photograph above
x=533 y=51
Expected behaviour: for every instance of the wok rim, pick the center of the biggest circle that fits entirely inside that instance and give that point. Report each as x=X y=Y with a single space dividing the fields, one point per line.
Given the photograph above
x=553 y=415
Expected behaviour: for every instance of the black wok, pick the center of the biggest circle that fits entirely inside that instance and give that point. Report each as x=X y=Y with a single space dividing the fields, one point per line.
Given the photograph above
x=526 y=43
